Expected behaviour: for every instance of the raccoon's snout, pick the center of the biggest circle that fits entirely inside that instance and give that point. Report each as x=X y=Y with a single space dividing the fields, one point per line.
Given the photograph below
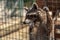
x=27 y=21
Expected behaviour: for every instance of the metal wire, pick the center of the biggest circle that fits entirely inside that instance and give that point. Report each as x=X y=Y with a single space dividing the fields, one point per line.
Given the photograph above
x=11 y=30
x=16 y=31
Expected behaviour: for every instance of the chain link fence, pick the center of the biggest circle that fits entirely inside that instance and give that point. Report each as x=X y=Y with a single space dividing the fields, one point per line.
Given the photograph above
x=11 y=17
x=11 y=14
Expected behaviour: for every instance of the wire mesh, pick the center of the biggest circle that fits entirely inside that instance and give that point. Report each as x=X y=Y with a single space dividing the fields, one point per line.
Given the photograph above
x=11 y=15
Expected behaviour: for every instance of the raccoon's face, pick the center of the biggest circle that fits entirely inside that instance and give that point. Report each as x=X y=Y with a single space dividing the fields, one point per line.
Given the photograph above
x=34 y=15
x=31 y=17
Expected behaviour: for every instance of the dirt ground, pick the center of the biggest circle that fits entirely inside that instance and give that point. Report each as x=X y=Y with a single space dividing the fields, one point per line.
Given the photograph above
x=21 y=34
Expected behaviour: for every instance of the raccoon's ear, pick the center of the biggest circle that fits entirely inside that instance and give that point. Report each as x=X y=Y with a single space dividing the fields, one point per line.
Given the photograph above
x=34 y=6
x=26 y=8
x=46 y=8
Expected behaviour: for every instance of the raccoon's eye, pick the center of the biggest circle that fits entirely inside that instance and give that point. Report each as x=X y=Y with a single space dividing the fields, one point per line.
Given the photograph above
x=35 y=16
x=29 y=16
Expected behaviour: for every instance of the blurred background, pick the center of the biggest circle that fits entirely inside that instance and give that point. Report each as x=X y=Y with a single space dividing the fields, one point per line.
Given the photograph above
x=11 y=14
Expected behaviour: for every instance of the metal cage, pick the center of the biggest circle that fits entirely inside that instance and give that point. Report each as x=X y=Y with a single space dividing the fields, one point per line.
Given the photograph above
x=11 y=14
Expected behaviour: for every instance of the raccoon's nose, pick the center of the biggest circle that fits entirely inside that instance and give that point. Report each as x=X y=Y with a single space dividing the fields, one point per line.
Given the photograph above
x=24 y=22
x=27 y=21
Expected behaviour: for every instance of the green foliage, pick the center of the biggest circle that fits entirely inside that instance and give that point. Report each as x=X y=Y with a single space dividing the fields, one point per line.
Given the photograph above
x=10 y=3
x=27 y=1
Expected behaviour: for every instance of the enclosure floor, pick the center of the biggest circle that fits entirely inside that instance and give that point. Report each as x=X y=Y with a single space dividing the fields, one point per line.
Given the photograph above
x=21 y=34
x=18 y=35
